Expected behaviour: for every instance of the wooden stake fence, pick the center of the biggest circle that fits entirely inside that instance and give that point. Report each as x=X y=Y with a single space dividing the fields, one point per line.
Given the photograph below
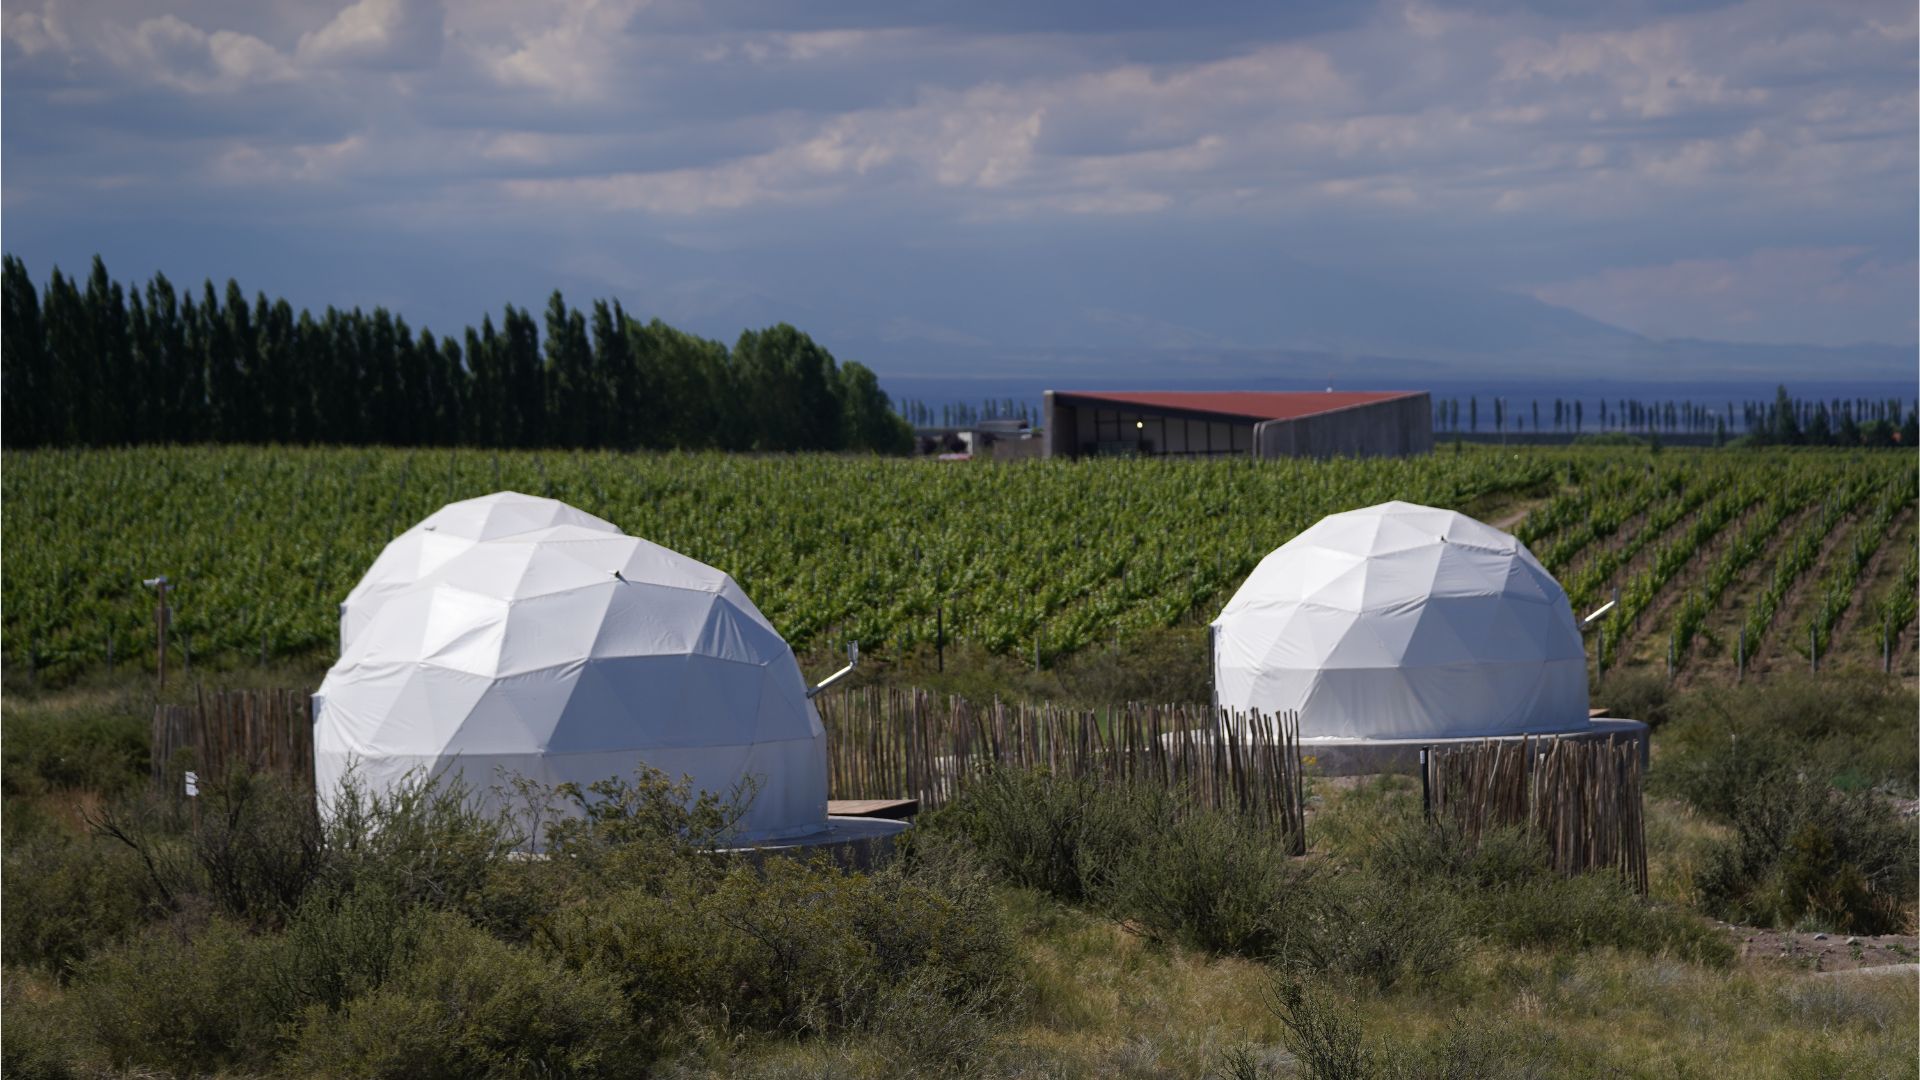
x=1581 y=795
x=262 y=730
x=889 y=743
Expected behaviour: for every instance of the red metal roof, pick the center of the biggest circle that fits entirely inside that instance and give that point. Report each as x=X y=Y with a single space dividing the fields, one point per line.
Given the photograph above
x=1246 y=404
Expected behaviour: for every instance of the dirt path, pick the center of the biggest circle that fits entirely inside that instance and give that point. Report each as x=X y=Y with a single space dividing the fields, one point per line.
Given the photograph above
x=1823 y=952
x=1513 y=516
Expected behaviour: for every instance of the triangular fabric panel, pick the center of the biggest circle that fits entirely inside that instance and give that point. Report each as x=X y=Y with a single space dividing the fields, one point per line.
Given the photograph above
x=1401 y=621
x=518 y=633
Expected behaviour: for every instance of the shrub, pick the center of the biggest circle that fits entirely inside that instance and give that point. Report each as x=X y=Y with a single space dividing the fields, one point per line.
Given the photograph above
x=40 y=1042
x=1164 y=664
x=98 y=743
x=1636 y=695
x=632 y=830
x=790 y=947
x=471 y=1005
x=182 y=1001
x=1317 y=1030
x=1802 y=853
x=1065 y=836
x=259 y=843
x=1416 y=854
x=1502 y=890
x=1210 y=880
x=930 y=1026
x=253 y=845
x=422 y=840
x=66 y=895
x=1852 y=729
x=339 y=946
x=1483 y=1048
x=1593 y=911
x=1360 y=925
x=1715 y=773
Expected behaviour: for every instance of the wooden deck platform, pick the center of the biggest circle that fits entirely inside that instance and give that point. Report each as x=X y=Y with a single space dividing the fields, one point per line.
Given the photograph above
x=889 y=809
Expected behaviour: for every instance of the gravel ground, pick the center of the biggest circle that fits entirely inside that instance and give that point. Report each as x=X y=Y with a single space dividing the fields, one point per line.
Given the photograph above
x=1824 y=952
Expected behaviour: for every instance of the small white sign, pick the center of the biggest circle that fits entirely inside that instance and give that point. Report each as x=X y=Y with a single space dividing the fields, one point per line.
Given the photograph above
x=193 y=784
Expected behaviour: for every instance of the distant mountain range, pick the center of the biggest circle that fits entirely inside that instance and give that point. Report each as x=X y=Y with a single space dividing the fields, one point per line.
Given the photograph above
x=1275 y=320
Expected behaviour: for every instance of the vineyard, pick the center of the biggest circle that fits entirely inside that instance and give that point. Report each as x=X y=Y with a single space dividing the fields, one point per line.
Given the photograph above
x=1724 y=561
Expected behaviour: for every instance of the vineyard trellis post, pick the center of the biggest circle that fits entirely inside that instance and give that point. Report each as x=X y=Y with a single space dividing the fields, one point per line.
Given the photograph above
x=1740 y=656
x=161 y=619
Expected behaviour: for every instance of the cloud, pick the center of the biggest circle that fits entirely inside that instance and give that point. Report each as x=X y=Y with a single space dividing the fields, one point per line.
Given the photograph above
x=251 y=165
x=174 y=53
x=1649 y=72
x=35 y=32
x=1148 y=125
x=573 y=56
x=1589 y=149
x=392 y=34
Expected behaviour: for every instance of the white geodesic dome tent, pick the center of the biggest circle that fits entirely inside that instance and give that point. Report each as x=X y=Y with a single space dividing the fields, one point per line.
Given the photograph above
x=1400 y=621
x=574 y=654
x=445 y=533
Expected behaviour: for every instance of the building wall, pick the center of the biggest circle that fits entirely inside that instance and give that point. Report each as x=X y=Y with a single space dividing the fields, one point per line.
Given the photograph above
x=1090 y=429
x=1397 y=428
x=1387 y=429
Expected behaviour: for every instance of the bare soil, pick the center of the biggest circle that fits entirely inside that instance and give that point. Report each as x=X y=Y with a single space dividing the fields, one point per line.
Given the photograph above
x=1711 y=658
x=1856 y=637
x=1786 y=642
x=1810 y=951
x=1514 y=516
x=1643 y=641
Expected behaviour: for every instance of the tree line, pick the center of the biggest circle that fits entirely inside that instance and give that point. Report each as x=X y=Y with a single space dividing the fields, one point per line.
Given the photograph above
x=94 y=363
x=963 y=414
x=1786 y=420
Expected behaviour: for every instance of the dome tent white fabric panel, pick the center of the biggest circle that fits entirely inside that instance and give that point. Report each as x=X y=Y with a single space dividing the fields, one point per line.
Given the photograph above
x=1400 y=621
x=445 y=533
x=574 y=654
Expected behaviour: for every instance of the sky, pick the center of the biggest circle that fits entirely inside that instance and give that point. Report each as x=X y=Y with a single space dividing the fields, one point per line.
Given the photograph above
x=939 y=185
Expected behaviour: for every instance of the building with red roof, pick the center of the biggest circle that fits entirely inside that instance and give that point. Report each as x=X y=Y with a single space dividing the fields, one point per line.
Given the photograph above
x=1247 y=423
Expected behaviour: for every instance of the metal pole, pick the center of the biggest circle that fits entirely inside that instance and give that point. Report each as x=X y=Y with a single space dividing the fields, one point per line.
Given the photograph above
x=940 y=637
